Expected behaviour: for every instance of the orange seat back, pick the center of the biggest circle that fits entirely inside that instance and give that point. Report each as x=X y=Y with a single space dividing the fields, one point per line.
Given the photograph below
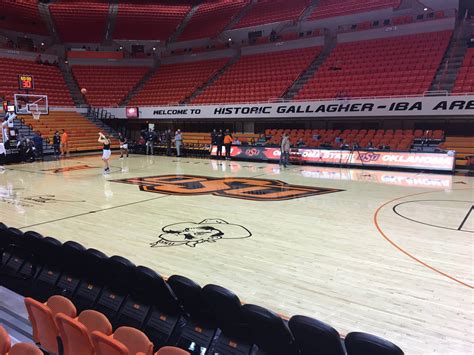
x=25 y=349
x=94 y=320
x=5 y=342
x=106 y=345
x=135 y=340
x=74 y=336
x=171 y=350
x=59 y=304
x=45 y=331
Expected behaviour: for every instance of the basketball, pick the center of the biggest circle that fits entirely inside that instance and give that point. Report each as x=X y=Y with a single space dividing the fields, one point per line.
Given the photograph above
x=83 y=91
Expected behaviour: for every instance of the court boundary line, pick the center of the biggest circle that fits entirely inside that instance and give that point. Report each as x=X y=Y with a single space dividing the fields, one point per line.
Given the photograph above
x=465 y=220
x=94 y=211
x=387 y=238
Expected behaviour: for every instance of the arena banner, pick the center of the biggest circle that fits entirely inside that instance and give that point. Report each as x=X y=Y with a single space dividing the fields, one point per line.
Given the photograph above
x=396 y=107
x=370 y=158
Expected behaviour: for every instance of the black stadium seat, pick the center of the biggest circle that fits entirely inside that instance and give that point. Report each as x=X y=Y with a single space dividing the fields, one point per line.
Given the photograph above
x=91 y=284
x=269 y=331
x=235 y=335
x=165 y=312
x=358 y=343
x=119 y=273
x=73 y=269
x=50 y=257
x=200 y=326
x=314 y=337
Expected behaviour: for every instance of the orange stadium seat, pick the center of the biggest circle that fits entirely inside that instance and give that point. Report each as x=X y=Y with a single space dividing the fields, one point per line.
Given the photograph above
x=172 y=83
x=149 y=20
x=211 y=18
x=259 y=77
x=333 y=8
x=404 y=65
x=465 y=79
x=80 y=21
x=269 y=11
x=22 y=16
x=107 y=86
x=48 y=80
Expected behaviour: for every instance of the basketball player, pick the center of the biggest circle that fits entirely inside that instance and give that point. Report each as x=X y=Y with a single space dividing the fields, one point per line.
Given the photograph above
x=106 y=152
x=123 y=145
x=64 y=143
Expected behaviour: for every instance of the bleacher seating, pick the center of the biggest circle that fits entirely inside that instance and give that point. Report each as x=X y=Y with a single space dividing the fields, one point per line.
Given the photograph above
x=107 y=85
x=80 y=21
x=211 y=317
x=83 y=134
x=333 y=8
x=21 y=16
x=395 y=139
x=259 y=77
x=149 y=20
x=464 y=147
x=172 y=83
x=404 y=65
x=269 y=11
x=465 y=79
x=211 y=18
x=48 y=80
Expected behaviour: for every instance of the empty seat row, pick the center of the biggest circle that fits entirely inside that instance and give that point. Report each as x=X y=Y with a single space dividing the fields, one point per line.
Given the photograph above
x=333 y=8
x=22 y=16
x=175 y=312
x=465 y=79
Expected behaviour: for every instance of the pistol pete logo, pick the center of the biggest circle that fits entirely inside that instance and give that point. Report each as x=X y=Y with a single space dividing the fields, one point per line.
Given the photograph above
x=241 y=188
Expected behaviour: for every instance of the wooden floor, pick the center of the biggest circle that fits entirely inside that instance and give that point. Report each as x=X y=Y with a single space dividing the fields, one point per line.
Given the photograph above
x=390 y=253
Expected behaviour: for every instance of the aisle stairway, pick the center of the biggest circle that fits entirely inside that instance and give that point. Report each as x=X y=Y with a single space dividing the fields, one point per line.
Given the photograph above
x=83 y=134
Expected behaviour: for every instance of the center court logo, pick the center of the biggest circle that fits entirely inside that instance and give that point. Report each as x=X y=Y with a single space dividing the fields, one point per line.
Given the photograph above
x=192 y=234
x=241 y=188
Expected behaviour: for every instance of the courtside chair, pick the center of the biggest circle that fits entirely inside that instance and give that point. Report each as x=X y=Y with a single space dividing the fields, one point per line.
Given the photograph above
x=269 y=331
x=135 y=340
x=19 y=260
x=165 y=313
x=73 y=268
x=50 y=257
x=5 y=342
x=314 y=337
x=171 y=350
x=74 y=336
x=358 y=343
x=91 y=284
x=106 y=345
x=227 y=308
x=200 y=327
x=25 y=349
x=45 y=330
x=119 y=273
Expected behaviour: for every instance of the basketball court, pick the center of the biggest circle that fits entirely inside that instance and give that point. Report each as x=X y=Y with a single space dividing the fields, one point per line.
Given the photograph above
x=389 y=253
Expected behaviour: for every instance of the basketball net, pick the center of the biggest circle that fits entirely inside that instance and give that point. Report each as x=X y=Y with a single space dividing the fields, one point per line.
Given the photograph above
x=36 y=114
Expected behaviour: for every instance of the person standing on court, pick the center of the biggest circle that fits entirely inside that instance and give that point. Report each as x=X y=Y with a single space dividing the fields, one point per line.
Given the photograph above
x=178 y=141
x=57 y=144
x=150 y=141
x=123 y=145
x=285 y=150
x=219 y=143
x=106 y=152
x=228 y=144
x=64 y=143
x=38 y=141
x=168 y=139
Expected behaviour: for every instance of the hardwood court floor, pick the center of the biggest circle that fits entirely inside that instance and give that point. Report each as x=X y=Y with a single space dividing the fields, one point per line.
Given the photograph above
x=390 y=254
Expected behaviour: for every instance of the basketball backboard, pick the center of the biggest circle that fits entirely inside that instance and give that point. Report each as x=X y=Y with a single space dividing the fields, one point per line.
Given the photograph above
x=29 y=103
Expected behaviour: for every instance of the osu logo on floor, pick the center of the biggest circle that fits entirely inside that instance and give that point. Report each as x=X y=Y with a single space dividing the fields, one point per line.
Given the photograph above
x=235 y=187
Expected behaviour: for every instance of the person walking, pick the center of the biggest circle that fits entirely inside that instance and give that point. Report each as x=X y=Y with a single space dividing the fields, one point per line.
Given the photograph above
x=178 y=141
x=285 y=150
x=57 y=144
x=38 y=141
x=228 y=144
x=219 y=143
